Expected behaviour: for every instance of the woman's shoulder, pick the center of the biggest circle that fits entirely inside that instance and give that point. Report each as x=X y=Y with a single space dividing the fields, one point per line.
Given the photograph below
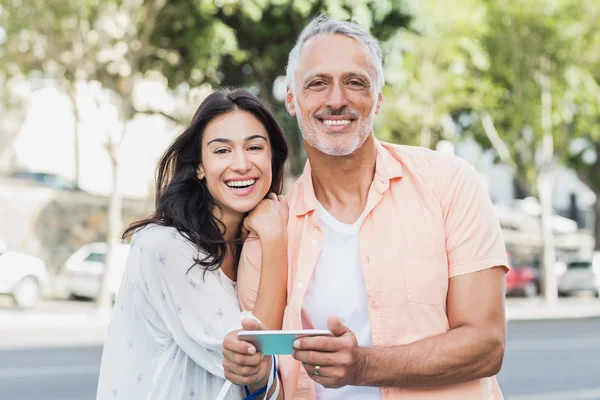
x=159 y=237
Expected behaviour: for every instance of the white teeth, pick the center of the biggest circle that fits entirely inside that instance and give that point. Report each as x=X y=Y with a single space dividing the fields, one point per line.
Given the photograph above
x=248 y=182
x=333 y=122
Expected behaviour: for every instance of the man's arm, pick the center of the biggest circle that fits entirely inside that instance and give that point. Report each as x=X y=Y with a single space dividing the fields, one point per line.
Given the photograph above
x=473 y=348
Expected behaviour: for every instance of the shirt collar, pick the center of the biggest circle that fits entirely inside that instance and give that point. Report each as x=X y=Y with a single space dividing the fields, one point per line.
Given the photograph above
x=387 y=167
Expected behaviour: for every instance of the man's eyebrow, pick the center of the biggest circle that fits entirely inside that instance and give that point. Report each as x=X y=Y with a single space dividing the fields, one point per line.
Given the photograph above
x=317 y=75
x=345 y=75
x=227 y=141
x=356 y=75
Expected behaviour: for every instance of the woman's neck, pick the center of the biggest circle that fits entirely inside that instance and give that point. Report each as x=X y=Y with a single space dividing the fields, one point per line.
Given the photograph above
x=232 y=223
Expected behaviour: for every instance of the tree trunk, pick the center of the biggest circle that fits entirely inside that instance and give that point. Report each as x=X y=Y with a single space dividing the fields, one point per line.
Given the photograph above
x=113 y=238
x=545 y=182
x=72 y=92
x=425 y=139
x=597 y=215
x=595 y=186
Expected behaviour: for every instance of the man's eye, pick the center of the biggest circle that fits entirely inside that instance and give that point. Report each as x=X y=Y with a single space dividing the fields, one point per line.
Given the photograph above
x=317 y=83
x=356 y=83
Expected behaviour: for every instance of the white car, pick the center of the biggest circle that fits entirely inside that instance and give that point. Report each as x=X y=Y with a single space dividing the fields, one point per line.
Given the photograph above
x=581 y=275
x=22 y=276
x=83 y=271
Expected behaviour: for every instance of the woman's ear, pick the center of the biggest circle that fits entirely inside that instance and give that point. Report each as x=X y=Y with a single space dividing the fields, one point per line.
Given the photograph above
x=200 y=173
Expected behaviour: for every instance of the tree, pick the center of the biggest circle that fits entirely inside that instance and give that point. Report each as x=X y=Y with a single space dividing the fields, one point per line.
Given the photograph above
x=266 y=31
x=530 y=48
x=584 y=82
x=427 y=74
x=114 y=43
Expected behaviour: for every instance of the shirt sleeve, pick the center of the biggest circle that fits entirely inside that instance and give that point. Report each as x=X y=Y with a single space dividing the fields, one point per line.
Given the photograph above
x=474 y=238
x=193 y=307
x=249 y=273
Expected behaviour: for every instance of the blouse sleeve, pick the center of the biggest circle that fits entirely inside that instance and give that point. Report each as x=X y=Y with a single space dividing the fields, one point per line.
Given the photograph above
x=194 y=308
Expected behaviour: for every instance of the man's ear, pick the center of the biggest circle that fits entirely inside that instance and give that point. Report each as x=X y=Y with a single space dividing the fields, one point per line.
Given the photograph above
x=379 y=102
x=200 y=172
x=289 y=102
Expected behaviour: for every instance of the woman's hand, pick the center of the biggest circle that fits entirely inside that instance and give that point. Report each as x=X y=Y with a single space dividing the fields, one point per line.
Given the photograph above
x=269 y=218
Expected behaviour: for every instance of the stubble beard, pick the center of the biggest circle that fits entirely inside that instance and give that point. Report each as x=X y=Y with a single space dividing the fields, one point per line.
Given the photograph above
x=316 y=140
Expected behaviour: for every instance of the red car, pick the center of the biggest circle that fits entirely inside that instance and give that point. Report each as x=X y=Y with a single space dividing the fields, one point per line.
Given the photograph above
x=522 y=279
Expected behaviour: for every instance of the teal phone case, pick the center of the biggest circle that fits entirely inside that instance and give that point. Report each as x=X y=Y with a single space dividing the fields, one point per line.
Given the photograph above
x=278 y=342
x=278 y=345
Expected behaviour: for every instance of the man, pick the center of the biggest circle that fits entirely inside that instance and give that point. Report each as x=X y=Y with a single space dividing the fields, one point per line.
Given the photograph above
x=395 y=249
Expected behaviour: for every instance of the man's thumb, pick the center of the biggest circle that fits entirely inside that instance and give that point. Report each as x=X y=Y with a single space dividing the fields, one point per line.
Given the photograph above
x=336 y=327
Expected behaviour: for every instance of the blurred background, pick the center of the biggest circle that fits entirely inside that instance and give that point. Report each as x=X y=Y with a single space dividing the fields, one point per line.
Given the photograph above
x=93 y=92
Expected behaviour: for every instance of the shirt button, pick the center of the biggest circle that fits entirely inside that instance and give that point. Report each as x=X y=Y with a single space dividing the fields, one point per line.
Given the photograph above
x=314 y=243
x=300 y=285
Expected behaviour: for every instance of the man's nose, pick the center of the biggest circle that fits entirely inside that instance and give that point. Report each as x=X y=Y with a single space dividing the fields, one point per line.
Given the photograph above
x=337 y=97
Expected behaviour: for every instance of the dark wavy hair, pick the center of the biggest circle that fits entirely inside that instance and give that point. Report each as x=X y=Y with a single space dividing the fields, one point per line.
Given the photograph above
x=183 y=201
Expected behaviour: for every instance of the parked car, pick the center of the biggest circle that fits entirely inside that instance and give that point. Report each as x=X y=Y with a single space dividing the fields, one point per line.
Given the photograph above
x=53 y=181
x=581 y=275
x=523 y=279
x=83 y=271
x=22 y=276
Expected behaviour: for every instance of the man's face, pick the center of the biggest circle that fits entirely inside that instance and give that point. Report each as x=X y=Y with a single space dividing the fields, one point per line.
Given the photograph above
x=335 y=97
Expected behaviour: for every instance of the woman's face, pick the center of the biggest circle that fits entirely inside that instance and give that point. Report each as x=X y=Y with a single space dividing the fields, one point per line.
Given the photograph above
x=236 y=161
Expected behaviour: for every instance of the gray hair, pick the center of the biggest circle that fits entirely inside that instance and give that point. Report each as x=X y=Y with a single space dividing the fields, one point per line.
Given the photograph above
x=323 y=25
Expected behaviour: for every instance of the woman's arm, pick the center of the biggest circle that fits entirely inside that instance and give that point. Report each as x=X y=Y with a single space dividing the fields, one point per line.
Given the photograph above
x=269 y=222
x=272 y=290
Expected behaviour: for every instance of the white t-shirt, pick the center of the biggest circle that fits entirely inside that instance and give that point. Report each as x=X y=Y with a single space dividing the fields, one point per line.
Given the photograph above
x=166 y=334
x=337 y=288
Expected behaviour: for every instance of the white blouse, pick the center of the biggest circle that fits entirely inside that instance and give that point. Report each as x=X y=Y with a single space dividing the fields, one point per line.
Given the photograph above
x=168 y=325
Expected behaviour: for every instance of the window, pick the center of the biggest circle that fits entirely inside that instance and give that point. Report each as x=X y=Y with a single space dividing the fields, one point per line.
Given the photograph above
x=580 y=265
x=95 y=257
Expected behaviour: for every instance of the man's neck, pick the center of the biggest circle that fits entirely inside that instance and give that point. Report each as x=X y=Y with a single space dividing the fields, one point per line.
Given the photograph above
x=341 y=184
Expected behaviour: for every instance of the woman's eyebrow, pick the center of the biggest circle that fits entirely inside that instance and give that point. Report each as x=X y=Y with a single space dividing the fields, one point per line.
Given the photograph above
x=247 y=139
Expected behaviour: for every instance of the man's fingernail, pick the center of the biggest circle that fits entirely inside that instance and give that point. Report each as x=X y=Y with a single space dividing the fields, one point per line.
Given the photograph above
x=296 y=344
x=251 y=350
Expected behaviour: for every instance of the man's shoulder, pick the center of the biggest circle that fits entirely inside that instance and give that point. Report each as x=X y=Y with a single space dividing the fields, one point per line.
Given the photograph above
x=434 y=168
x=421 y=156
x=297 y=189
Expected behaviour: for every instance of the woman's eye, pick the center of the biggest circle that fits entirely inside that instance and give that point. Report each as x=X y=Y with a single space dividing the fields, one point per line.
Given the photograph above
x=221 y=151
x=254 y=148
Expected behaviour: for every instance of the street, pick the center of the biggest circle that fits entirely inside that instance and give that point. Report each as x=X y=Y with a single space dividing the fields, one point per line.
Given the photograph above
x=547 y=360
x=551 y=360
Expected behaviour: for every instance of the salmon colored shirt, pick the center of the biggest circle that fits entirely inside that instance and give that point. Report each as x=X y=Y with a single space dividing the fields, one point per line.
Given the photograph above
x=428 y=219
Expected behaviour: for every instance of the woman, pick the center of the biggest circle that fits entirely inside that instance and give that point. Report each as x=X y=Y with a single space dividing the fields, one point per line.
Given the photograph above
x=178 y=297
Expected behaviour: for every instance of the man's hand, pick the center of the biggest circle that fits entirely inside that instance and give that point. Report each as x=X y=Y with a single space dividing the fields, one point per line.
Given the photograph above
x=332 y=361
x=242 y=363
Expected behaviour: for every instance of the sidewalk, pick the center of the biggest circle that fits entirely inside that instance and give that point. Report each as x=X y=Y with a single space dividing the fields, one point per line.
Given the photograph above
x=518 y=309
x=77 y=324
x=52 y=323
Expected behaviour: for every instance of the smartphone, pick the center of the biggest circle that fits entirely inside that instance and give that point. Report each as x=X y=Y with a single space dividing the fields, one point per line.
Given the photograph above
x=278 y=342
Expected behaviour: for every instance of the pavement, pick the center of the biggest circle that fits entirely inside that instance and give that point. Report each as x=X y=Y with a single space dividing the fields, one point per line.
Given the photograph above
x=63 y=322
x=522 y=309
